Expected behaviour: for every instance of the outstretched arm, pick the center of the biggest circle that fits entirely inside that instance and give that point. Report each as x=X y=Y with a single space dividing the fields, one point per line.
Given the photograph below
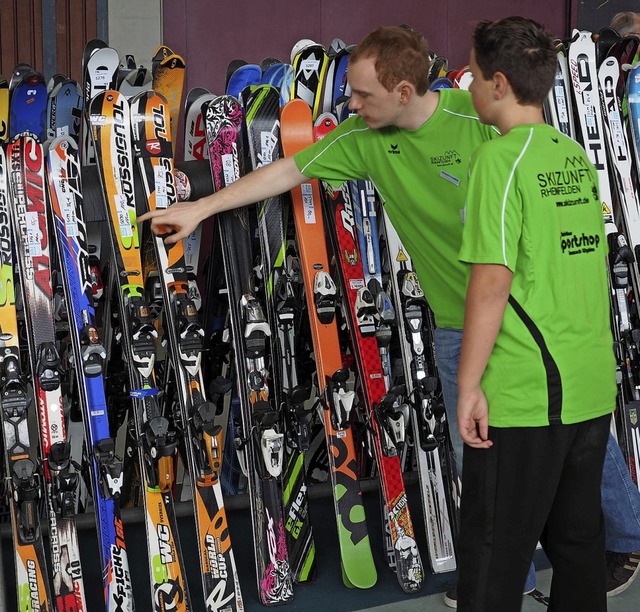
x=183 y=218
x=487 y=296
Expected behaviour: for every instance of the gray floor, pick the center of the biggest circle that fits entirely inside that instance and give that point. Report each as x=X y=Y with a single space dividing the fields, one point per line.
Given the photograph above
x=628 y=601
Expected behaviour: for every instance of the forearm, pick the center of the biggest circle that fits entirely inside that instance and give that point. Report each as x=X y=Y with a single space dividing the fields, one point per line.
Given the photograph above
x=179 y=220
x=487 y=296
x=265 y=182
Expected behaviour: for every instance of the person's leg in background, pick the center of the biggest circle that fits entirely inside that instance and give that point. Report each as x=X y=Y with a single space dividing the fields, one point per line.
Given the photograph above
x=621 y=509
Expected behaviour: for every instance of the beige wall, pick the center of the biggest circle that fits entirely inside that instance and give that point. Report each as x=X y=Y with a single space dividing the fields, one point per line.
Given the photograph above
x=135 y=27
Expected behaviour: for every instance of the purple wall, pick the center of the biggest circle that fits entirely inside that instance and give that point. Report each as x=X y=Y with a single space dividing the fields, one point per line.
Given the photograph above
x=210 y=33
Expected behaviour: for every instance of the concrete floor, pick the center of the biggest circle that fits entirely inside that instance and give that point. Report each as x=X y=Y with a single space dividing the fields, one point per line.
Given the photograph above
x=628 y=601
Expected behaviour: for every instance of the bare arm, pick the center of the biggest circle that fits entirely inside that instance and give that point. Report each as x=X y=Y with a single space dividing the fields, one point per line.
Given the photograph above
x=487 y=297
x=183 y=217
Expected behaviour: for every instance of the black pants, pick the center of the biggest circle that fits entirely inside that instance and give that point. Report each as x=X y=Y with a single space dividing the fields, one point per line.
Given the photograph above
x=534 y=483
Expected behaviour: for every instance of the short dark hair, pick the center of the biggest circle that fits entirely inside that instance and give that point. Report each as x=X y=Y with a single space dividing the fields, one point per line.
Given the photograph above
x=400 y=54
x=522 y=50
x=625 y=23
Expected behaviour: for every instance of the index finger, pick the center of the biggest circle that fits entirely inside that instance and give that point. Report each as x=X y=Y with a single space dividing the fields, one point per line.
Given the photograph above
x=150 y=215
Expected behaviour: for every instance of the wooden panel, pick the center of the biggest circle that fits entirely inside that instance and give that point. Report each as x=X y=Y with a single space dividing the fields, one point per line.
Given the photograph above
x=28 y=24
x=62 y=36
x=22 y=34
x=21 y=27
x=76 y=24
x=8 y=38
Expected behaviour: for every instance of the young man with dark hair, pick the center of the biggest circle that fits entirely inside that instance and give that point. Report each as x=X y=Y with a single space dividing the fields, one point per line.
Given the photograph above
x=536 y=379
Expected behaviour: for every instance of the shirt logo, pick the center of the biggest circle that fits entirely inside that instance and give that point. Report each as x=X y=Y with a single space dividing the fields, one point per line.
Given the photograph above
x=393 y=149
x=448 y=158
x=577 y=244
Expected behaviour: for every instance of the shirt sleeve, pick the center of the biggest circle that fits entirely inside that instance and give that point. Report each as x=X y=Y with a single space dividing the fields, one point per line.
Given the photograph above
x=493 y=211
x=337 y=157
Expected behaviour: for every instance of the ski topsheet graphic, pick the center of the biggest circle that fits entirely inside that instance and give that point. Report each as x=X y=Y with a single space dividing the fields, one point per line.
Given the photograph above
x=63 y=171
x=32 y=579
x=26 y=163
x=261 y=442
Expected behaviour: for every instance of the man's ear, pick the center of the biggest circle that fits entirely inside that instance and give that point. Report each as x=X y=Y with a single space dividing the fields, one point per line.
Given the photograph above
x=406 y=90
x=500 y=85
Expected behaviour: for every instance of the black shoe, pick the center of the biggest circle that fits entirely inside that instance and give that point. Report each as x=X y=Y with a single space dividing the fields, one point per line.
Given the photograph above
x=451 y=598
x=622 y=568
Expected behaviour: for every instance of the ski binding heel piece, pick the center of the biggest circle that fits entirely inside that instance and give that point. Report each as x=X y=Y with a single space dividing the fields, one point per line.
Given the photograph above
x=325 y=297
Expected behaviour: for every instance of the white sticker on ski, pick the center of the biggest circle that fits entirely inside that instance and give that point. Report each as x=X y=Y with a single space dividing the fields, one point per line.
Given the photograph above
x=308 y=203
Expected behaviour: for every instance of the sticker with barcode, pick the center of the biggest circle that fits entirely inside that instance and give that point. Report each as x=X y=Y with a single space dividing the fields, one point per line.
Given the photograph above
x=34 y=235
x=308 y=204
x=68 y=209
x=310 y=65
x=124 y=222
x=160 y=180
x=228 y=168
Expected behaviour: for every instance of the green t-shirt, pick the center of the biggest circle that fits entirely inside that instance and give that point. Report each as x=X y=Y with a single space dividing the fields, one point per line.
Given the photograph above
x=533 y=206
x=421 y=176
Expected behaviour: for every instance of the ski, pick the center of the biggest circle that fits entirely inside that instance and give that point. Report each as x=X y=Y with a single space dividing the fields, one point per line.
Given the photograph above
x=381 y=408
x=309 y=66
x=99 y=73
x=203 y=439
x=261 y=440
x=28 y=106
x=558 y=108
x=243 y=76
x=337 y=399
x=584 y=79
x=625 y=269
x=110 y=121
x=63 y=172
x=23 y=473
x=427 y=414
x=26 y=167
x=262 y=110
x=64 y=110
x=4 y=109
x=195 y=147
x=168 y=74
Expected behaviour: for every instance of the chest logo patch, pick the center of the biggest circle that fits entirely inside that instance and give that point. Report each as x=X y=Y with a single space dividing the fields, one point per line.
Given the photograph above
x=448 y=158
